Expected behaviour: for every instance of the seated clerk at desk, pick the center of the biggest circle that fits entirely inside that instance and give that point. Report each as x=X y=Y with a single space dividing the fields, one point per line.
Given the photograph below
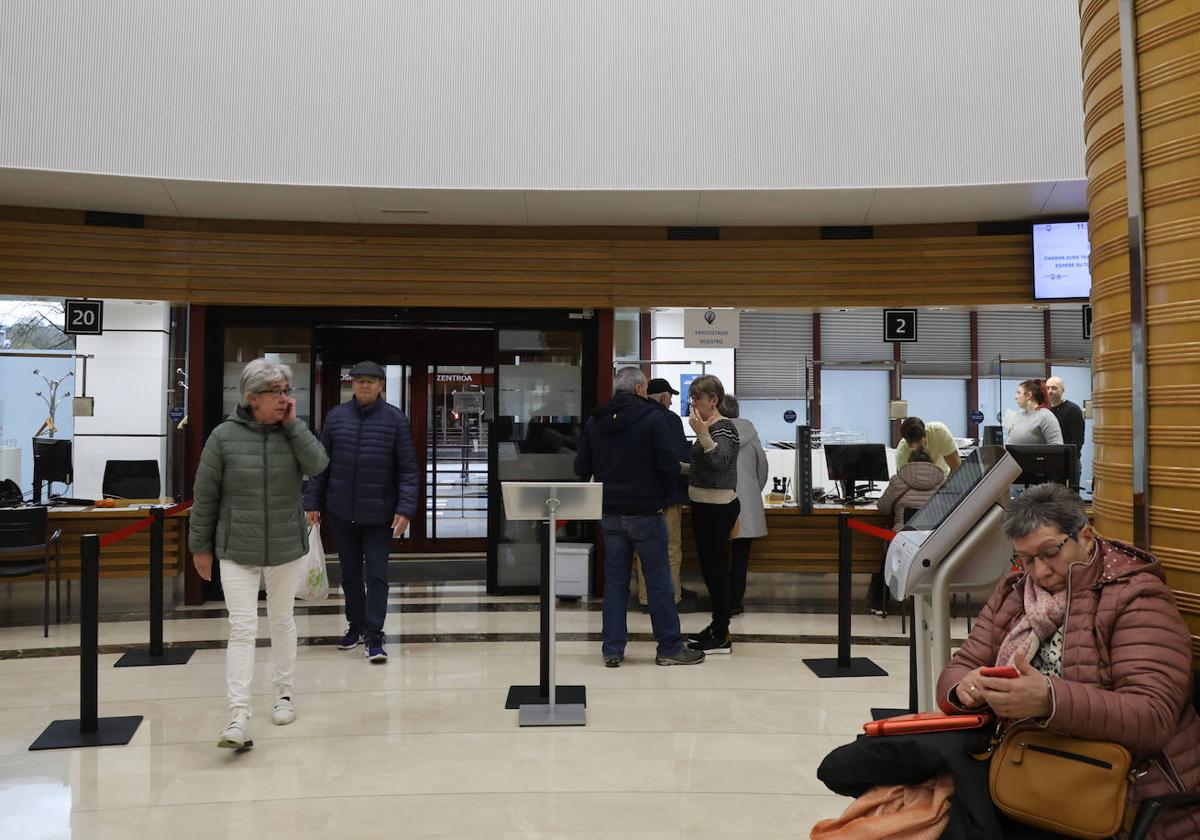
x=934 y=438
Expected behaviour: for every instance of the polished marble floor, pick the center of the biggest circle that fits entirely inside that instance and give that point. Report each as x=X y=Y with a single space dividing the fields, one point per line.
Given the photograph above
x=423 y=747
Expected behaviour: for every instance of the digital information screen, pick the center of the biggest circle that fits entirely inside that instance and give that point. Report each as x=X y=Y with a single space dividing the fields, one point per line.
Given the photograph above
x=974 y=467
x=1060 y=261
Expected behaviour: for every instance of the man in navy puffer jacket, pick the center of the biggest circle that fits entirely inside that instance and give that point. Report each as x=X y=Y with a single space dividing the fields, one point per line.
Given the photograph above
x=370 y=492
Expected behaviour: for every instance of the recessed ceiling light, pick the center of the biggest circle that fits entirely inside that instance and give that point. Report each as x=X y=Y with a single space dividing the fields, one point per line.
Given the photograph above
x=937 y=309
x=403 y=211
x=845 y=310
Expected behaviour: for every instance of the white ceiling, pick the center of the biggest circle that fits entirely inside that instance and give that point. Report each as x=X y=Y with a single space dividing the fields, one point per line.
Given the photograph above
x=719 y=208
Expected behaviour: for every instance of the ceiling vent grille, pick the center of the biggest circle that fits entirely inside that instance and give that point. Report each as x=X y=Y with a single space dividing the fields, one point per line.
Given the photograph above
x=102 y=218
x=693 y=234
x=848 y=232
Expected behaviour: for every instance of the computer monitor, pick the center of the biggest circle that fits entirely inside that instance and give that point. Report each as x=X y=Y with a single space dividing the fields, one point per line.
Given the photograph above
x=849 y=463
x=1045 y=463
x=51 y=462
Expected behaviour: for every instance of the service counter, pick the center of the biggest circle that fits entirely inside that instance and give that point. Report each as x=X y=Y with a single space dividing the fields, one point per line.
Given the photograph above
x=798 y=543
x=130 y=558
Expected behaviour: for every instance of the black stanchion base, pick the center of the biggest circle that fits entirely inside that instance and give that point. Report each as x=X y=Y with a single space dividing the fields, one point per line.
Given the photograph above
x=859 y=666
x=880 y=714
x=65 y=734
x=143 y=658
x=531 y=695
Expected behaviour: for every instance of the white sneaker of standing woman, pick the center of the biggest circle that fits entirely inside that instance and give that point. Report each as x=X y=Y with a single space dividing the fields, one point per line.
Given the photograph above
x=284 y=711
x=237 y=734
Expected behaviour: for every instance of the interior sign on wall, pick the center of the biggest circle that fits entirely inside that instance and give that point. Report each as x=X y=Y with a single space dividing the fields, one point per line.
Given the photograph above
x=899 y=325
x=711 y=328
x=84 y=317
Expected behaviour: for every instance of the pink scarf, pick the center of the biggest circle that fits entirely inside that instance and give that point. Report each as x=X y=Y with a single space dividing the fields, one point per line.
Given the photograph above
x=1044 y=613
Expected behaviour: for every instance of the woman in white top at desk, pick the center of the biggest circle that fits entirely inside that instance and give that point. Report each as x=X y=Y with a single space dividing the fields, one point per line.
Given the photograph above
x=1036 y=423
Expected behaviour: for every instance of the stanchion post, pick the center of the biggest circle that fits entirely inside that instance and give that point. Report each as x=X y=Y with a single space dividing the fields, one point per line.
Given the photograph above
x=156 y=654
x=89 y=631
x=845 y=593
x=90 y=730
x=844 y=665
x=156 y=582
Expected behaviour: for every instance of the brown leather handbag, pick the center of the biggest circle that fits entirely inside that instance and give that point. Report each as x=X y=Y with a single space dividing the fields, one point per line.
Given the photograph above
x=1068 y=785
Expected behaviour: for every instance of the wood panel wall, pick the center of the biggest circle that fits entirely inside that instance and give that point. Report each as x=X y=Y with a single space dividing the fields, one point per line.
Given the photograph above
x=255 y=263
x=1168 y=46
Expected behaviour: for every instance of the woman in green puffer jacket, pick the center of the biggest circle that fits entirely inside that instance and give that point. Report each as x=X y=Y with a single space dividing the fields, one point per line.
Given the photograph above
x=248 y=511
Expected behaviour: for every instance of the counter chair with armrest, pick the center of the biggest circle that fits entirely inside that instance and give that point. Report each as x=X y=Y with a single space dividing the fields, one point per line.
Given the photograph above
x=25 y=549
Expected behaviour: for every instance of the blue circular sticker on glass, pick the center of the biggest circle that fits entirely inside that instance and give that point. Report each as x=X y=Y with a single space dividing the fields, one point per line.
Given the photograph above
x=789 y=416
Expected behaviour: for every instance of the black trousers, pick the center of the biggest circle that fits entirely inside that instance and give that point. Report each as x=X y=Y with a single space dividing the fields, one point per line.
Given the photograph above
x=740 y=551
x=711 y=525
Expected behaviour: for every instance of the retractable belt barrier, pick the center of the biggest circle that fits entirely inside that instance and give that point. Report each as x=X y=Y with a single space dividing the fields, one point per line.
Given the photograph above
x=90 y=730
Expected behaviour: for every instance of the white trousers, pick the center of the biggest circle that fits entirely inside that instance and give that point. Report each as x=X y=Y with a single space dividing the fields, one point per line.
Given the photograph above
x=241 y=600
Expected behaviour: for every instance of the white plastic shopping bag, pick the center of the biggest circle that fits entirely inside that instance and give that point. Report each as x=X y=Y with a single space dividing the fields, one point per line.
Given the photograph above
x=314 y=583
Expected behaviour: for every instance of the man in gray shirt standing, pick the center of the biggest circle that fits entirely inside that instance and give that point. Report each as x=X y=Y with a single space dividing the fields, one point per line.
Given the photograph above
x=1070 y=421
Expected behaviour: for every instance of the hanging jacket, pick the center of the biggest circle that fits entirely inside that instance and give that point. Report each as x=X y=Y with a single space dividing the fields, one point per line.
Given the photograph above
x=373 y=472
x=1126 y=670
x=247 y=491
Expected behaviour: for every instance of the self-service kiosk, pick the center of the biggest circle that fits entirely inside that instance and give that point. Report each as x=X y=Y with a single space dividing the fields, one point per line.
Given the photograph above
x=953 y=543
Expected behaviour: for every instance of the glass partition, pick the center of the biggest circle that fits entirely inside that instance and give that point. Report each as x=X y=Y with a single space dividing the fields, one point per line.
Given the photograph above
x=539 y=408
x=856 y=401
x=290 y=345
x=23 y=413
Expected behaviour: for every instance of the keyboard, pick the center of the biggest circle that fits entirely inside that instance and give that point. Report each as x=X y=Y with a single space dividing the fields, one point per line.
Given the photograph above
x=67 y=501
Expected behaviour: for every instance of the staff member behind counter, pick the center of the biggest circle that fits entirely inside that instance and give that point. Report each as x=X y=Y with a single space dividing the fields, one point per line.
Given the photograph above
x=934 y=438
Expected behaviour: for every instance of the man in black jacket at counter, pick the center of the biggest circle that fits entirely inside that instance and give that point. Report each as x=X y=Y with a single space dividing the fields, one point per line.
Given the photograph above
x=628 y=445
x=1070 y=420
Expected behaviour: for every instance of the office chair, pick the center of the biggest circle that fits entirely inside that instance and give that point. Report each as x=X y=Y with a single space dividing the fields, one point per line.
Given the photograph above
x=131 y=480
x=25 y=550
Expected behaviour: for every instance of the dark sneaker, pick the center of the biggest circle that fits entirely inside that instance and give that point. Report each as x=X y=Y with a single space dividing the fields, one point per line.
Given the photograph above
x=706 y=633
x=738 y=610
x=374 y=650
x=687 y=656
x=709 y=643
x=349 y=641
x=613 y=661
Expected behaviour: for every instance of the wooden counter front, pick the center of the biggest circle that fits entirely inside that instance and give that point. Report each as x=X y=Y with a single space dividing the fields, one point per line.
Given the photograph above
x=130 y=558
x=798 y=543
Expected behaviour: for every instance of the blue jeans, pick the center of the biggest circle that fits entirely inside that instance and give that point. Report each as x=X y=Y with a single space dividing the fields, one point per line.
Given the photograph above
x=648 y=534
x=363 y=553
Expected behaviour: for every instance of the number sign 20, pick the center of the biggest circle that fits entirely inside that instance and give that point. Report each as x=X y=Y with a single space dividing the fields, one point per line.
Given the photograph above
x=84 y=317
x=899 y=325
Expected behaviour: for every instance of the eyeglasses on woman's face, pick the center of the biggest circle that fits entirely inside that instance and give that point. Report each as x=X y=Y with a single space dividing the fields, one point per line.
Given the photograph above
x=276 y=392
x=1046 y=554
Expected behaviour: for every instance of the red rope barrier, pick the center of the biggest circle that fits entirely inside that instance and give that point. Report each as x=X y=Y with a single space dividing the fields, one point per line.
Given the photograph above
x=884 y=534
x=141 y=525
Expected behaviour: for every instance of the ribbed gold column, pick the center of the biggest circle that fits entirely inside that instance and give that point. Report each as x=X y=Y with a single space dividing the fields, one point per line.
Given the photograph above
x=1168 y=48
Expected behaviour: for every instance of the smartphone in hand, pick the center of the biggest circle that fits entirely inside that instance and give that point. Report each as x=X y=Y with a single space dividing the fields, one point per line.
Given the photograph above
x=1008 y=672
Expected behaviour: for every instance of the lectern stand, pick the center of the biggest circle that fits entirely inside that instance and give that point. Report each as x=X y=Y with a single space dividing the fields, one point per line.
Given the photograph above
x=547 y=501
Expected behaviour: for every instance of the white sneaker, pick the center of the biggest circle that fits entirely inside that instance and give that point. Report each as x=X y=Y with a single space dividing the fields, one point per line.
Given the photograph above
x=237 y=734
x=284 y=711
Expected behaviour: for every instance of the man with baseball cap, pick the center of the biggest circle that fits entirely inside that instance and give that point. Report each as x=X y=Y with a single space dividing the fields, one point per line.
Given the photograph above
x=370 y=492
x=660 y=391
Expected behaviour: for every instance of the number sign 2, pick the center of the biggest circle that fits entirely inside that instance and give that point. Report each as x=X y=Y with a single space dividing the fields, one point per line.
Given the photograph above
x=84 y=317
x=899 y=325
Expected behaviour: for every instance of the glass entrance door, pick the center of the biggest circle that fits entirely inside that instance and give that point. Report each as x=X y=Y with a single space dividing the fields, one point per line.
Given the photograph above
x=456 y=451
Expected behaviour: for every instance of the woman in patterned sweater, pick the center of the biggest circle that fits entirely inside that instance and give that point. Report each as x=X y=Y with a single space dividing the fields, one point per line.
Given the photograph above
x=712 y=490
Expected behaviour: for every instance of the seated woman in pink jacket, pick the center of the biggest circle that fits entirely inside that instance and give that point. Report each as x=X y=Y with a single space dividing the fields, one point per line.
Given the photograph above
x=1102 y=649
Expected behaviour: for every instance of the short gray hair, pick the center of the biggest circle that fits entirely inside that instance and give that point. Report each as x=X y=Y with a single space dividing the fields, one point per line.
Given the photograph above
x=627 y=379
x=729 y=407
x=1055 y=505
x=261 y=374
